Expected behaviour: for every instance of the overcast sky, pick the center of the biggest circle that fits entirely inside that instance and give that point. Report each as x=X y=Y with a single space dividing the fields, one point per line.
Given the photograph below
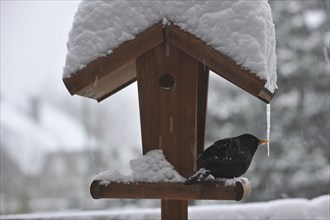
x=33 y=45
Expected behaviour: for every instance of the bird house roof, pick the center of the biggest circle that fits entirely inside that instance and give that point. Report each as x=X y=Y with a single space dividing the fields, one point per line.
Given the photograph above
x=235 y=39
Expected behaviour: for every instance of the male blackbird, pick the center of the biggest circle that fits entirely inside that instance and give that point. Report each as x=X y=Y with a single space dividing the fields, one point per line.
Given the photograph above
x=227 y=158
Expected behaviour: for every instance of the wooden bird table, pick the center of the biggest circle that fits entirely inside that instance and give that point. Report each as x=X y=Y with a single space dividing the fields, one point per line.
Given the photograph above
x=171 y=68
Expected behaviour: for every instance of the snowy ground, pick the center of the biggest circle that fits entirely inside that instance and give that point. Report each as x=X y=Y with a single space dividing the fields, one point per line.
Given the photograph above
x=317 y=208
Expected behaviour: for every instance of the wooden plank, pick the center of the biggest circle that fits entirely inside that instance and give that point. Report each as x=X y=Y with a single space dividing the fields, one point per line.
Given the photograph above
x=106 y=95
x=174 y=209
x=169 y=116
x=202 y=92
x=167 y=85
x=148 y=74
x=265 y=95
x=101 y=67
x=110 y=83
x=216 y=61
x=215 y=190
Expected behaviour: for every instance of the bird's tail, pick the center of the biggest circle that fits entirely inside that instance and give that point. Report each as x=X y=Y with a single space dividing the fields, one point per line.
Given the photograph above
x=199 y=176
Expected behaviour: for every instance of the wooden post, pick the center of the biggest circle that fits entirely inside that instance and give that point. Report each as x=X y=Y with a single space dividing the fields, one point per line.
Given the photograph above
x=174 y=209
x=168 y=84
x=202 y=92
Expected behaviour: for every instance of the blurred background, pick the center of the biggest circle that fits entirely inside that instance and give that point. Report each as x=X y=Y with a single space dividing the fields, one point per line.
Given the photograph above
x=52 y=144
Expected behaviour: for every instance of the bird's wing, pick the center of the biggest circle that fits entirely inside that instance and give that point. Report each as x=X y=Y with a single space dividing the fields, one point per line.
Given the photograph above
x=224 y=151
x=216 y=150
x=228 y=160
x=223 y=142
x=198 y=177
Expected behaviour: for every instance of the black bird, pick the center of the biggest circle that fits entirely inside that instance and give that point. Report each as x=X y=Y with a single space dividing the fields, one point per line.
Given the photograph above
x=227 y=158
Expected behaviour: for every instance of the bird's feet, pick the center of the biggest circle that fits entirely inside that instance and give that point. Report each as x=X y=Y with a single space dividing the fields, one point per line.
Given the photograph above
x=199 y=176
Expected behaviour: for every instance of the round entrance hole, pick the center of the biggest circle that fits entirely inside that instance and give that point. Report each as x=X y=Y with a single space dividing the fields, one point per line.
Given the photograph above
x=166 y=81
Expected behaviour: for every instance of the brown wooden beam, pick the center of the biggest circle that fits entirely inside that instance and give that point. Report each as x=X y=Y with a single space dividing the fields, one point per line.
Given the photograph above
x=215 y=190
x=169 y=115
x=218 y=62
x=167 y=84
x=266 y=95
x=202 y=94
x=174 y=209
x=110 y=83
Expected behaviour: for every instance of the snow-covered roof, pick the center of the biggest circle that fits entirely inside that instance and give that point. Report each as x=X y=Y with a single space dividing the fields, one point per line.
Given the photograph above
x=242 y=30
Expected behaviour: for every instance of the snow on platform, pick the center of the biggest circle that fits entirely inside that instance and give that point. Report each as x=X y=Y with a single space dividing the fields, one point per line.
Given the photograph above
x=150 y=168
x=302 y=209
x=242 y=30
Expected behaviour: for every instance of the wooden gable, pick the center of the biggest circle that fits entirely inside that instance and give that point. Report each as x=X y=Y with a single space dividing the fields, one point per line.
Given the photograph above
x=106 y=75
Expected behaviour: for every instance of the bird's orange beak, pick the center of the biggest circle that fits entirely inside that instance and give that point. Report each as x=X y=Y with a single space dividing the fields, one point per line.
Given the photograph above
x=263 y=141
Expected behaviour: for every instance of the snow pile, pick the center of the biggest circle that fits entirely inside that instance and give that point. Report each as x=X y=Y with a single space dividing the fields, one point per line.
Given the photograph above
x=302 y=209
x=232 y=182
x=150 y=168
x=243 y=30
x=109 y=176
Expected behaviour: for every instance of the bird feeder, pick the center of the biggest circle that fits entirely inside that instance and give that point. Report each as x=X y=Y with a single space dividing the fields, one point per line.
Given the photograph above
x=171 y=68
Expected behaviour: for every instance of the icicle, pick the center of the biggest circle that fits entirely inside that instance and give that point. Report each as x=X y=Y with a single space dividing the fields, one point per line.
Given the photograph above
x=268 y=126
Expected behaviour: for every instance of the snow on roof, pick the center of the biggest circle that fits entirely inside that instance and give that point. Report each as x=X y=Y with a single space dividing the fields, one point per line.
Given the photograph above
x=151 y=167
x=28 y=141
x=242 y=30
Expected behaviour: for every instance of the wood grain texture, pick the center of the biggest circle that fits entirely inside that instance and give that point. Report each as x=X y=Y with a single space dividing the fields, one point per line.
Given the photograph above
x=169 y=116
x=217 y=62
x=202 y=94
x=215 y=190
x=174 y=209
x=110 y=83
